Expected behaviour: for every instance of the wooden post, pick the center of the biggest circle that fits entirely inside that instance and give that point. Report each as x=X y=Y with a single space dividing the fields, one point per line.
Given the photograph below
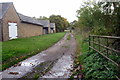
x=107 y=45
x=89 y=43
x=99 y=42
x=93 y=41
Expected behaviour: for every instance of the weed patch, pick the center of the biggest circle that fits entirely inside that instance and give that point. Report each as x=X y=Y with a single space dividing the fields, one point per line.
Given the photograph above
x=94 y=65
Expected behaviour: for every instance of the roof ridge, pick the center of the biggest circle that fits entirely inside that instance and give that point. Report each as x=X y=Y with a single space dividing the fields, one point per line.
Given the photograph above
x=28 y=19
x=6 y=2
x=7 y=7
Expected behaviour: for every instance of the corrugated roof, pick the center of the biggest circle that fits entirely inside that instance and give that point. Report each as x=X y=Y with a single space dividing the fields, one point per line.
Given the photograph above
x=3 y=8
x=46 y=23
x=27 y=19
x=52 y=25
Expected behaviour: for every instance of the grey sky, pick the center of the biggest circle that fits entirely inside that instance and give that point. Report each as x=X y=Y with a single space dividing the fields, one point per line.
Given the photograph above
x=65 y=8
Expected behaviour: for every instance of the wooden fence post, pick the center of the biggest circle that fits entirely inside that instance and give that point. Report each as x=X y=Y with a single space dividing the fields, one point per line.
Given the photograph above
x=89 y=43
x=99 y=42
x=93 y=43
x=107 y=45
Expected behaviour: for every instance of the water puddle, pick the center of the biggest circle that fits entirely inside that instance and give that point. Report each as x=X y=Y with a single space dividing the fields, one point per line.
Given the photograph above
x=62 y=69
x=30 y=63
x=26 y=64
x=20 y=69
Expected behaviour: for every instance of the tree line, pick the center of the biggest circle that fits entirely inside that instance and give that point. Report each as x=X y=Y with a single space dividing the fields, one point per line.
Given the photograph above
x=61 y=23
x=102 y=18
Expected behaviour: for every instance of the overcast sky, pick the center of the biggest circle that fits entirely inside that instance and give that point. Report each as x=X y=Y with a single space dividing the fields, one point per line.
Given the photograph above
x=65 y=8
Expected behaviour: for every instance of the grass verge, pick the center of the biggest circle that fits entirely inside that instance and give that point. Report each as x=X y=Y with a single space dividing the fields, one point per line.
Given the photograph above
x=91 y=65
x=82 y=48
x=17 y=50
x=68 y=38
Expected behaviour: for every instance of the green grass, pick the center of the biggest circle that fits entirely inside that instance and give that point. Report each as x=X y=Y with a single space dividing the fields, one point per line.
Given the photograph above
x=81 y=43
x=82 y=49
x=68 y=38
x=36 y=76
x=16 y=50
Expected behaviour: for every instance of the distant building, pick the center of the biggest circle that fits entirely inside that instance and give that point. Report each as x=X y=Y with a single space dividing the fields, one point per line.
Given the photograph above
x=15 y=25
x=46 y=26
x=52 y=28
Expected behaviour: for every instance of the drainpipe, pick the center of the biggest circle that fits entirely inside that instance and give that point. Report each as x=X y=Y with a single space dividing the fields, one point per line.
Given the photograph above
x=1 y=30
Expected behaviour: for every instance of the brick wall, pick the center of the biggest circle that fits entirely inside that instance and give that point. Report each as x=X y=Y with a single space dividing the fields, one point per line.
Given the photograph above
x=24 y=29
x=10 y=16
x=27 y=30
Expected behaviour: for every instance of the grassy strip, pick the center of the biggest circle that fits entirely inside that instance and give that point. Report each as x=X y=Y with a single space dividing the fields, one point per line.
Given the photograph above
x=19 y=49
x=83 y=45
x=82 y=48
x=40 y=70
x=68 y=38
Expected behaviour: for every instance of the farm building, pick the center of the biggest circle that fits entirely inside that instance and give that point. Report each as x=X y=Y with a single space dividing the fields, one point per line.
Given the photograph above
x=30 y=26
x=46 y=26
x=15 y=25
x=52 y=28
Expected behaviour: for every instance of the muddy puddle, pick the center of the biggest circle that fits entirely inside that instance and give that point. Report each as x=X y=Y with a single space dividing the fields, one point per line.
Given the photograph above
x=62 y=69
x=20 y=69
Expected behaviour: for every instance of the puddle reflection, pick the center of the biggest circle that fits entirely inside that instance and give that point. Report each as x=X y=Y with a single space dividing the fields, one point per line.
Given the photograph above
x=26 y=64
x=61 y=69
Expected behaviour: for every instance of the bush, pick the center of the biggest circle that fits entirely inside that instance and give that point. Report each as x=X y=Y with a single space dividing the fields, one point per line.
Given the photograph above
x=95 y=67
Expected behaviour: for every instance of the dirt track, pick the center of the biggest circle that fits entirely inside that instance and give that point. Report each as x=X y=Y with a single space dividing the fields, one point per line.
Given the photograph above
x=62 y=68
x=63 y=51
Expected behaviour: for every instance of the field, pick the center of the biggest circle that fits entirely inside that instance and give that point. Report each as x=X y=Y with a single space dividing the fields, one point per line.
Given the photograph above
x=17 y=50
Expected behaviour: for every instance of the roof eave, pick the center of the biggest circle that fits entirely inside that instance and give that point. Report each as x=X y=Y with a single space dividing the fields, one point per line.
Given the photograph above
x=31 y=23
